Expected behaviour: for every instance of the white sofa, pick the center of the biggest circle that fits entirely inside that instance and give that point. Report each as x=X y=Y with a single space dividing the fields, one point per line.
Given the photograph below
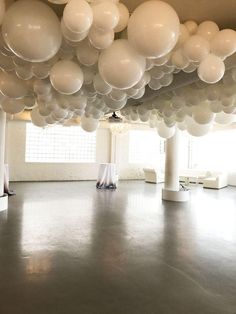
x=153 y=175
x=217 y=180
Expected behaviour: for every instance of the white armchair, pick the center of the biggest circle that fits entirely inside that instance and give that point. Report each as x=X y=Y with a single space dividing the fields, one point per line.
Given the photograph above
x=216 y=181
x=153 y=175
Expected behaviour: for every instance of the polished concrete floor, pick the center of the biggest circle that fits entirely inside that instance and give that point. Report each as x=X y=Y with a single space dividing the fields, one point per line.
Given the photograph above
x=67 y=248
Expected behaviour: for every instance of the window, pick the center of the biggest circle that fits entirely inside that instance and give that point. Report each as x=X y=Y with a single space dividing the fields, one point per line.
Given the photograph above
x=146 y=147
x=59 y=144
x=215 y=151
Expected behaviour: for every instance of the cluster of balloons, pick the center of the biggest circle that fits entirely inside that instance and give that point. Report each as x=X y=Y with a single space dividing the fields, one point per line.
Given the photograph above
x=194 y=108
x=95 y=57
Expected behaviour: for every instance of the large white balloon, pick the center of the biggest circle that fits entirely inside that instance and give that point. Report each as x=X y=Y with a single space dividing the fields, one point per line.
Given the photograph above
x=153 y=29
x=31 y=29
x=66 y=77
x=105 y=15
x=78 y=16
x=123 y=18
x=120 y=65
x=224 y=43
x=11 y=86
x=196 y=48
x=211 y=69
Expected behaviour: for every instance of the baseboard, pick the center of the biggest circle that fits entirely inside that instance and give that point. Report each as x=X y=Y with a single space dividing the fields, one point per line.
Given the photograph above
x=3 y=202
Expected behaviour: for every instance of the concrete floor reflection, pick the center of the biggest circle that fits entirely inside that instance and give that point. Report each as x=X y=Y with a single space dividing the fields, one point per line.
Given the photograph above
x=69 y=248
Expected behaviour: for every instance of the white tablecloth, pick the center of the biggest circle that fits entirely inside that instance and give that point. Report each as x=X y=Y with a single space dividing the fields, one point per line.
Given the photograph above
x=106 y=176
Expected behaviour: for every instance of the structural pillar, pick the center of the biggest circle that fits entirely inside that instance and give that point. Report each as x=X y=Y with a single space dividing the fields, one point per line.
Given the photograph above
x=171 y=191
x=3 y=197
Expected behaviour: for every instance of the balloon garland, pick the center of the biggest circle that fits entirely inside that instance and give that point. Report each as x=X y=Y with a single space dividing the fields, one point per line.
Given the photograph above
x=96 y=57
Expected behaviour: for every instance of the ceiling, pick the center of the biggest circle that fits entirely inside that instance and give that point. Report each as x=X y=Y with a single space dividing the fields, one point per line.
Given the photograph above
x=220 y=11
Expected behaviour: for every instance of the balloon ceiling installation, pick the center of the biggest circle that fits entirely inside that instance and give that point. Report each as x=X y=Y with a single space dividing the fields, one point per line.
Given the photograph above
x=95 y=57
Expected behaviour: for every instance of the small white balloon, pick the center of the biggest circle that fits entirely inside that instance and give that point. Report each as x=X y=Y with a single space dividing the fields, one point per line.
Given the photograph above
x=164 y=131
x=196 y=48
x=224 y=118
x=208 y=30
x=11 y=86
x=191 y=27
x=211 y=69
x=123 y=18
x=13 y=106
x=224 y=43
x=89 y=124
x=100 y=85
x=78 y=16
x=101 y=39
x=86 y=53
x=37 y=119
x=105 y=15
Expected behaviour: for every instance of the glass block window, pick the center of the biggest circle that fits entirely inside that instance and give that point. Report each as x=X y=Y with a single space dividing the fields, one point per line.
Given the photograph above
x=145 y=147
x=59 y=144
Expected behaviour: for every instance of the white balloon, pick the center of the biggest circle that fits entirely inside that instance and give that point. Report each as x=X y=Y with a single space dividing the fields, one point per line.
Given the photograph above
x=6 y=63
x=89 y=124
x=191 y=26
x=224 y=43
x=196 y=129
x=196 y=48
x=42 y=87
x=66 y=77
x=120 y=65
x=208 y=30
x=58 y=1
x=78 y=16
x=139 y=94
x=224 y=118
x=152 y=20
x=105 y=15
x=72 y=36
x=41 y=70
x=211 y=69
x=154 y=84
x=215 y=106
x=179 y=60
x=86 y=53
x=114 y=104
x=166 y=80
x=100 y=85
x=117 y=94
x=31 y=29
x=13 y=106
x=183 y=36
x=123 y=18
x=156 y=73
x=11 y=86
x=29 y=102
x=101 y=39
x=25 y=72
x=202 y=114
x=37 y=119
x=164 y=131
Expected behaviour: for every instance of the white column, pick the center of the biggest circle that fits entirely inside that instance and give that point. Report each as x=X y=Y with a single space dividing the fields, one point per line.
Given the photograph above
x=172 y=163
x=3 y=198
x=171 y=191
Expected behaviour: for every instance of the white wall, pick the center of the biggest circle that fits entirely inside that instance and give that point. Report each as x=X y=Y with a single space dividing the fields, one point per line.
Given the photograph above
x=22 y=171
